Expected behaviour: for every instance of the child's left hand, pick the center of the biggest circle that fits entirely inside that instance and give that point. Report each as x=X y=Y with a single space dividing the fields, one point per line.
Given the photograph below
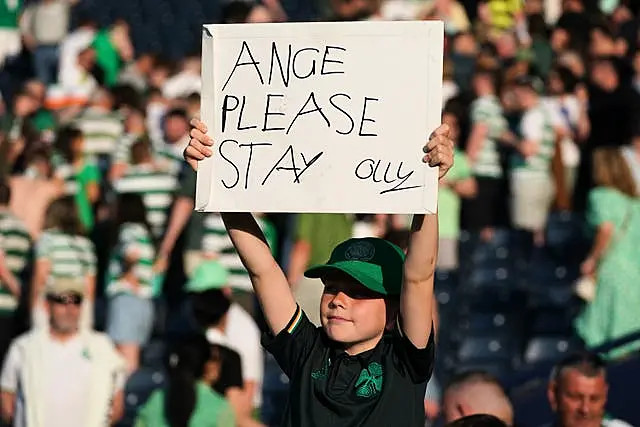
x=439 y=150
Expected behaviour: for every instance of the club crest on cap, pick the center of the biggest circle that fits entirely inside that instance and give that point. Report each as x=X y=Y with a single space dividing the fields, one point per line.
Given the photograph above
x=360 y=251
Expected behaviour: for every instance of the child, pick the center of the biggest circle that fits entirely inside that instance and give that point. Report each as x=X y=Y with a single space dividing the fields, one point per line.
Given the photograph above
x=369 y=363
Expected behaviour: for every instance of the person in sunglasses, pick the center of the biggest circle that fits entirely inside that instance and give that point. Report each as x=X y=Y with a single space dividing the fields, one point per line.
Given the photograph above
x=62 y=375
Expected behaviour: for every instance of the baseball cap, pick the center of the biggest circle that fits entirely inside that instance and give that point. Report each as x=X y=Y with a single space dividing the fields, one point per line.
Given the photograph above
x=375 y=263
x=65 y=285
x=208 y=275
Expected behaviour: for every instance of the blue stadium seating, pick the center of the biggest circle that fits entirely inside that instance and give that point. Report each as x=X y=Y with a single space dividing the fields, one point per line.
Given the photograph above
x=173 y=27
x=546 y=349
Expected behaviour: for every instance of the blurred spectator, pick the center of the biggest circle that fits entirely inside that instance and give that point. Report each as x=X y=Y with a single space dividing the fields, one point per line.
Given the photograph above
x=578 y=392
x=32 y=192
x=135 y=130
x=450 y=11
x=10 y=40
x=631 y=154
x=137 y=72
x=613 y=214
x=176 y=138
x=488 y=126
x=15 y=247
x=570 y=119
x=61 y=252
x=240 y=330
x=613 y=107
x=130 y=282
x=184 y=82
x=113 y=49
x=480 y=420
x=63 y=375
x=211 y=311
x=459 y=183
x=531 y=185
x=150 y=179
x=71 y=73
x=44 y=26
x=101 y=127
x=188 y=400
x=79 y=176
x=476 y=392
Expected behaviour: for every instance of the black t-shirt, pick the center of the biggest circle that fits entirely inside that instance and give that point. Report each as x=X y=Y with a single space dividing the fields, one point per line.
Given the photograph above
x=382 y=387
x=230 y=369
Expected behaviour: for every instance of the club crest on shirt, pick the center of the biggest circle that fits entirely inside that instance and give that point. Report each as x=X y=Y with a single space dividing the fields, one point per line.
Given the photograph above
x=369 y=383
x=360 y=251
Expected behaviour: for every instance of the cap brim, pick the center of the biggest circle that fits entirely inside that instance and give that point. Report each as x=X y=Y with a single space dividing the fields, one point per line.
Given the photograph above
x=369 y=275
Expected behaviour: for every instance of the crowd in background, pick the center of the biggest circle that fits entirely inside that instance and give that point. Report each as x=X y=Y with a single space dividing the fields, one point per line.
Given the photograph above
x=98 y=229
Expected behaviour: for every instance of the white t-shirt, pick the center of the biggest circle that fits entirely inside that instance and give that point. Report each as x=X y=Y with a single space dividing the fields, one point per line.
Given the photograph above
x=243 y=336
x=66 y=383
x=70 y=74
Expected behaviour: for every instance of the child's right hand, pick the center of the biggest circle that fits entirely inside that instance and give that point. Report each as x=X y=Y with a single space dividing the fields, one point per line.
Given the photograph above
x=198 y=148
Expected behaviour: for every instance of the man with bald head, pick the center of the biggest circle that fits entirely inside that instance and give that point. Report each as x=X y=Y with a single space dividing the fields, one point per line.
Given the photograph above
x=476 y=392
x=578 y=391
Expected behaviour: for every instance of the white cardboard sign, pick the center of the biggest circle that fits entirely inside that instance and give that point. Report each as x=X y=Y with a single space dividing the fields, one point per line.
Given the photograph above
x=320 y=117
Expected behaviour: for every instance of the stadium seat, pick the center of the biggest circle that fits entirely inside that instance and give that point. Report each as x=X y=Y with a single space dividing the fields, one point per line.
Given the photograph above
x=546 y=349
x=483 y=349
x=550 y=322
x=498 y=323
x=498 y=369
x=154 y=354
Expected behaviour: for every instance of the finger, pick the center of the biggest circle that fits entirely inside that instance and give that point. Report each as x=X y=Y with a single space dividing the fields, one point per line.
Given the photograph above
x=198 y=124
x=200 y=147
x=192 y=152
x=434 y=142
x=442 y=130
x=201 y=137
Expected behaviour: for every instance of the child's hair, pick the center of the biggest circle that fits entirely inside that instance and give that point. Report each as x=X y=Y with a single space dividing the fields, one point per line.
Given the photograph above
x=140 y=150
x=185 y=366
x=62 y=214
x=64 y=141
x=478 y=420
x=209 y=307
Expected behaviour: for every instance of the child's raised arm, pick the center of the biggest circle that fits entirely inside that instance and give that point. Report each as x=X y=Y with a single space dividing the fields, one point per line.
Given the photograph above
x=416 y=299
x=267 y=278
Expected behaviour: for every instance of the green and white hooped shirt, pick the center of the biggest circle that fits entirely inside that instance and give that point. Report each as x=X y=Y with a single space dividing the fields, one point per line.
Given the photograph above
x=134 y=241
x=487 y=110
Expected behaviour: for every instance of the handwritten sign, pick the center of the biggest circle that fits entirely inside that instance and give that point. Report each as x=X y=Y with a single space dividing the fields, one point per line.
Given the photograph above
x=320 y=117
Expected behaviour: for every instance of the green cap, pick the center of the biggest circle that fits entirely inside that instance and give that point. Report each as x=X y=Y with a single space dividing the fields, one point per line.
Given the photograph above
x=375 y=263
x=208 y=274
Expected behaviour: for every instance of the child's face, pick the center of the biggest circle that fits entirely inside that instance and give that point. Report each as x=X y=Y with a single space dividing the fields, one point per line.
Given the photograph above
x=351 y=314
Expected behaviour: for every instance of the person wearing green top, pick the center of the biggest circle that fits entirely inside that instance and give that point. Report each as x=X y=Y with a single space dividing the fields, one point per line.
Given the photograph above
x=130 y=281
x=188 y=399
x=614 y=216
x=80 y=176
x=459 y=182
x=10 y=37
x=113 y=49
x=532 y=186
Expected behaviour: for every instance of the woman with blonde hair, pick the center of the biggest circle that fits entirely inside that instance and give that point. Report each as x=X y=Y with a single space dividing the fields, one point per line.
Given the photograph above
x=614 y=259
x=63 y=251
